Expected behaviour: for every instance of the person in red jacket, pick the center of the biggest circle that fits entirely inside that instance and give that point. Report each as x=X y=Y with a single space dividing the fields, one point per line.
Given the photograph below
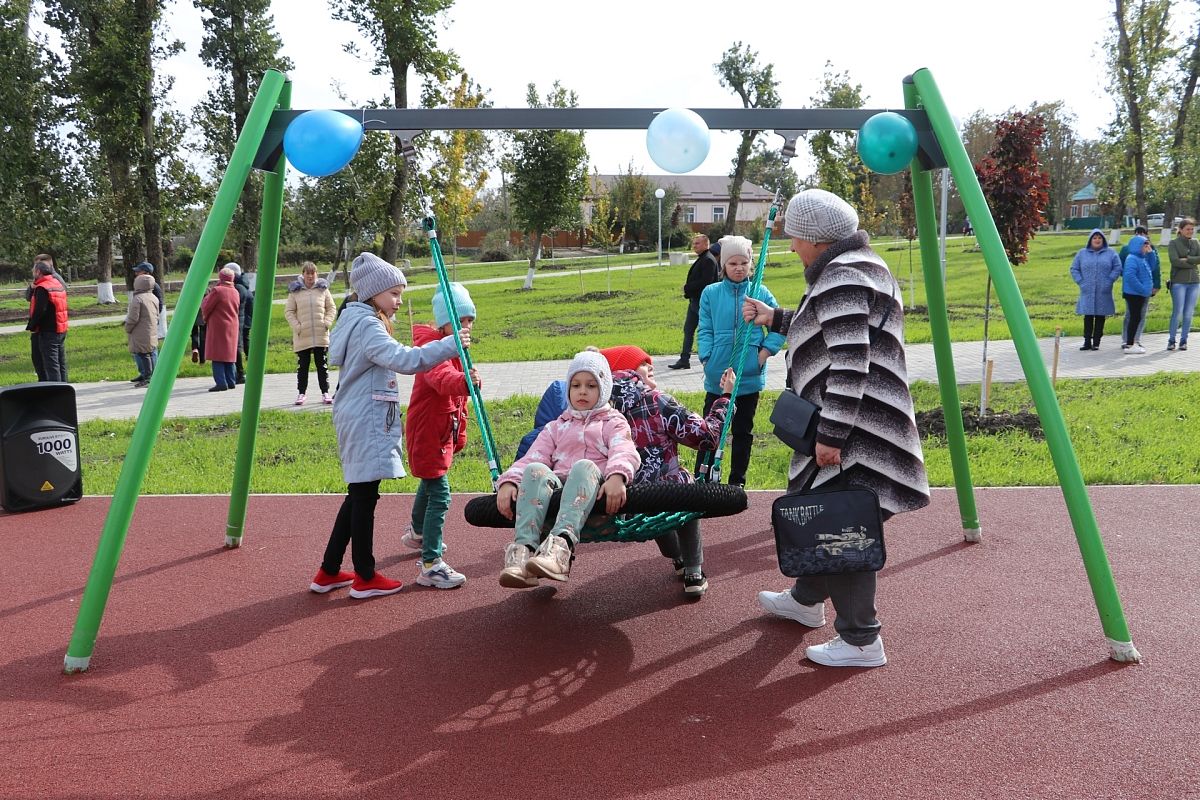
x=435 y=428
x=47 y=323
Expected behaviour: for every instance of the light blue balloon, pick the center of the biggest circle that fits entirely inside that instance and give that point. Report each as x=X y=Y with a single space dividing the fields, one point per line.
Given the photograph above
x=321 y=142
x=678 y=140
x=887 y=143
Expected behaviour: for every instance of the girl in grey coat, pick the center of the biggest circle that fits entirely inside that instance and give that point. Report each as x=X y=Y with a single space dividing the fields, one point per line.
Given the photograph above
x=367 y=420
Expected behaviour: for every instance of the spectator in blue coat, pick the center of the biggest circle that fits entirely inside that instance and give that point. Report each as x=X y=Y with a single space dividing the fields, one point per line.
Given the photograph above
x=1156 y=277
x=720 y=319
x=1095 y=269
x=1136 y=285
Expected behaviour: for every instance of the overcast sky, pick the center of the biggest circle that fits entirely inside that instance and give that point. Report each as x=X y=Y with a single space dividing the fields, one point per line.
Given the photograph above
x=992 y=57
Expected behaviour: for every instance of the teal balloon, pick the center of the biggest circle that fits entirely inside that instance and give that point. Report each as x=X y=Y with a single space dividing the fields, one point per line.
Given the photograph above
x=321 y=142
x=678 y=140
x=887 y=143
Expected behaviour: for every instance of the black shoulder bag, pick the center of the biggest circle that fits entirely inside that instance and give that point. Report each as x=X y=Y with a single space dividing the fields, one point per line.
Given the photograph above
x=795 y=418
x=828 y=531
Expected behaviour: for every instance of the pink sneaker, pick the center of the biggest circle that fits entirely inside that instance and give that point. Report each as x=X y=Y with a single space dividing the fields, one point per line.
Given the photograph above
x=324 y=582
x=300 y=398
x=326 y=399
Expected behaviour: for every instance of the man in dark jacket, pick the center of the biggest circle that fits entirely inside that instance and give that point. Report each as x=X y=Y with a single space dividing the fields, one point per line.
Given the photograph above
x=48 y=324
x=705 y=269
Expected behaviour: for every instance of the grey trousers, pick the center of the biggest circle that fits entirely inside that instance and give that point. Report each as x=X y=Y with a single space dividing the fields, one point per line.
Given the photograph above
x=853 y=596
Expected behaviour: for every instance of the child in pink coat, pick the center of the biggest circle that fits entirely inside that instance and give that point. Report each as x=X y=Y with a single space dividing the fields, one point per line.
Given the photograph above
x=589 y=443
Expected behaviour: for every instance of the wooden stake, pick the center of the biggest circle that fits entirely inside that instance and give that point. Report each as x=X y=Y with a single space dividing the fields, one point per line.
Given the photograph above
x=1057 y=348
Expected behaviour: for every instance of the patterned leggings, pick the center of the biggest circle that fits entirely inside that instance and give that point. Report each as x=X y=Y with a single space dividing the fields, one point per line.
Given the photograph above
x=538 y=483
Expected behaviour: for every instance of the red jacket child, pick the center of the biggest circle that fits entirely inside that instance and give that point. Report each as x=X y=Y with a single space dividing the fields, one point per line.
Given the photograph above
x=435 y=427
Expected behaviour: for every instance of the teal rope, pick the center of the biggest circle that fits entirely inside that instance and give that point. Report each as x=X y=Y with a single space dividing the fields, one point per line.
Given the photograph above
x=740 y=341
x=429 y=224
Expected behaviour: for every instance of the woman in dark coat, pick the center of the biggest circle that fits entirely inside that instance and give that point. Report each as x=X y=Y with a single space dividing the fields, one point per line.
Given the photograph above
x=867 y=435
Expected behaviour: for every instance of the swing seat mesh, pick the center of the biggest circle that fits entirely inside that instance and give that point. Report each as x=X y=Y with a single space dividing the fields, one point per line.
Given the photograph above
x=644 y=518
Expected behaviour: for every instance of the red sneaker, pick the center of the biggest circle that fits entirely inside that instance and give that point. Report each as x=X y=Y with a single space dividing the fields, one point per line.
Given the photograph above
x=324 y=582
x=376 y=587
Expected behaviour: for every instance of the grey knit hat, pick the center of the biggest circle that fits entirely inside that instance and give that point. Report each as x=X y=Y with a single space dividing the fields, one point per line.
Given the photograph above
x=595 y=363
x=236 y=267
x=370 y=275
x=735 y=246
x=816 y=215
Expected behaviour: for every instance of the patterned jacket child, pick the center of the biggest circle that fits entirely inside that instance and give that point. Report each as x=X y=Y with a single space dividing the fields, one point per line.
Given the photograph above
x=659 y=424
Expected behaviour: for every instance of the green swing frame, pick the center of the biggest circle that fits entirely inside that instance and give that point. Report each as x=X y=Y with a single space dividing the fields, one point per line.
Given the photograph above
x=259 y=145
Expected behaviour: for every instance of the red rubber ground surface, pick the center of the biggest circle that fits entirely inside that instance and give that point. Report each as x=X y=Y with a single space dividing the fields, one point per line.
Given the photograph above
x=218 y=675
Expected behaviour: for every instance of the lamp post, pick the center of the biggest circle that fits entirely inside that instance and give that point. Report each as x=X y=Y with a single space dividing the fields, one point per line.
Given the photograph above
x=660 y=194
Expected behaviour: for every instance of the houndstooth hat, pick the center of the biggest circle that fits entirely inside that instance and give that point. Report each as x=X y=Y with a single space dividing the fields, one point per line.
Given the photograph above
x=816 y=215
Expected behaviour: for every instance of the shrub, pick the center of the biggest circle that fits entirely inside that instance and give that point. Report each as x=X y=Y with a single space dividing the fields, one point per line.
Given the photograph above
x=495 y=255
x=296 y=254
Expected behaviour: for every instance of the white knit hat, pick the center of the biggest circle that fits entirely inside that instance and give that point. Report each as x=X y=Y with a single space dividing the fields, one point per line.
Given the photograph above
x=816 y=215
x=735 y=246
x=595 y=363
x=370 y=275
x=236 y=267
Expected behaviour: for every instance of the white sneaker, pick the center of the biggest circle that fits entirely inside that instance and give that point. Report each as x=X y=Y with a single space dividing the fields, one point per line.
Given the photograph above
x=836 y=653
x=1137 y=349
x=552 y=559
x=440 y=575
x=514 y=575
x=782 y=604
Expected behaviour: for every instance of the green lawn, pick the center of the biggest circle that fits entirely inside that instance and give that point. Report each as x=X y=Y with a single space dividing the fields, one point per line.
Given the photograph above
x=565 y=313
x=1132 y=430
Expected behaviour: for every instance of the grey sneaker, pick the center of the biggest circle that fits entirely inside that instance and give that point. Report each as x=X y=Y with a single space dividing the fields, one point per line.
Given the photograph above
x=440 y=575
x=514 y=574
x=782 y=604
x=552 y=559
x=416 y=541
x=837 y=653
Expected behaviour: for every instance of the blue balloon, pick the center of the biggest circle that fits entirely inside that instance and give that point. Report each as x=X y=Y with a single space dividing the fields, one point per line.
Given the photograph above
x=678 y=140
x=887 y=143
x=321 y=142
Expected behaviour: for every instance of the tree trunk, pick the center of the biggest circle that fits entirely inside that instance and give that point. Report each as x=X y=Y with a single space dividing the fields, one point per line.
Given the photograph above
x=535 y=250
x=148 y=173
x=250 y=208
x=104 y=264
x=739 y=175
x=394 y=233
x=1177 y=155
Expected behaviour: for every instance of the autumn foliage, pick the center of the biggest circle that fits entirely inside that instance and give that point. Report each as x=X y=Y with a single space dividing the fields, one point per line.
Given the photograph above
x=1016 y=188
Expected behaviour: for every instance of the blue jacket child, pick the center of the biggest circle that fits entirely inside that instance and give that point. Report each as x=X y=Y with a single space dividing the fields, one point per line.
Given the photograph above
x=1137 y=276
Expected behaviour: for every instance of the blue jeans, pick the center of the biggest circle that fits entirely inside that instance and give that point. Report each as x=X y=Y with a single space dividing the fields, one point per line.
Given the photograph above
x=224 y=374
x=1183 y=305
x=145 y=365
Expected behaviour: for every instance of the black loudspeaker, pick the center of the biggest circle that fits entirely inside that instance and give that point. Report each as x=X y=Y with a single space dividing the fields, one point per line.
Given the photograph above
x=39 y=446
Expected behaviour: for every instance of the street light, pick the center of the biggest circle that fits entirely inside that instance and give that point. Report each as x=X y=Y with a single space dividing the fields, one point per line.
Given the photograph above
x=660 y=194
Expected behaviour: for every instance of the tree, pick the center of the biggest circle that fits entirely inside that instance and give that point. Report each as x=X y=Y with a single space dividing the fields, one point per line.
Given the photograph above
x=629 y=193
x=838 y=167
x=1137 y=71
x=1060 y=154
x=404 y=37
x=112 y=47
x=1014 y=183
x=549 y=170
x=458 y=173
x=349 y=208
x=40 y=185
x=755 y=85
x=1176 y=189
x=239 y=45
